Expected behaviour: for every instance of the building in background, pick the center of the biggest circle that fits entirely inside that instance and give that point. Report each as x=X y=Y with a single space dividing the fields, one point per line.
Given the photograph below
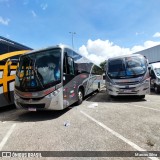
x=152 y=54
x=7 y=45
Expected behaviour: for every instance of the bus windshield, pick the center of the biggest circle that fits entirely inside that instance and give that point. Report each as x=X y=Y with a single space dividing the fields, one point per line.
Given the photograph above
x=127 y=67
x=39 y=70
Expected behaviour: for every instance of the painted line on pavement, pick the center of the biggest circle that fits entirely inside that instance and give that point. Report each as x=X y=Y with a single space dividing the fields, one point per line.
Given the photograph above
x=4 y=140
x=133 y=145
x=135 y=105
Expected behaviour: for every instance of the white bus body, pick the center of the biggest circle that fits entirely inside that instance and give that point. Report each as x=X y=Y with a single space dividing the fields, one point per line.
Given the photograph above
x=155 y=76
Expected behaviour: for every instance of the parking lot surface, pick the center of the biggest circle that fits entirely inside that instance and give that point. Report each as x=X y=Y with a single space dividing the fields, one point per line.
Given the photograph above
x=100 y=123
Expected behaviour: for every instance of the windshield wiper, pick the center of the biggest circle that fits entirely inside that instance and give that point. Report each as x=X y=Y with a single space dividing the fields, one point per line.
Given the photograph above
x=35 y=71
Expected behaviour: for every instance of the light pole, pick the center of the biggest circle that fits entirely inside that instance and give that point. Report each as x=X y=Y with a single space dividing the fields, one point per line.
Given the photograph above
x=72 y=33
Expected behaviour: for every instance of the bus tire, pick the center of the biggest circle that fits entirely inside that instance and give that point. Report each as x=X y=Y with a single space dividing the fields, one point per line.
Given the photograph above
x=99 y=86
x=80 y=96
x=156 y=88
x=112 y=96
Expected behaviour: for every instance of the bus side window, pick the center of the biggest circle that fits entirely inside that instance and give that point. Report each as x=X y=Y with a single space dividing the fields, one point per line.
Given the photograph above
x=70 y=66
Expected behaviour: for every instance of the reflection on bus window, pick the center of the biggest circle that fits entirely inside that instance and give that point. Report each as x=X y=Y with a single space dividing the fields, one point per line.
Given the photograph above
x=130 y=66
x=39 y=69
x=71 y=66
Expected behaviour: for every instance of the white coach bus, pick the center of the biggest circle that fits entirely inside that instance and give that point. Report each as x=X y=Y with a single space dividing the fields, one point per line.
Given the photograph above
x=127 y=75
x=54 y=78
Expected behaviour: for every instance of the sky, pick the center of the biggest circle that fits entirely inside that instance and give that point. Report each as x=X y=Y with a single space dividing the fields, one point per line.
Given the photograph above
x=100 y=28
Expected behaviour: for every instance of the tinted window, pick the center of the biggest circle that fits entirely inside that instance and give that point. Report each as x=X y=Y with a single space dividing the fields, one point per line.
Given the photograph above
x=39 y=69
x=116 y=68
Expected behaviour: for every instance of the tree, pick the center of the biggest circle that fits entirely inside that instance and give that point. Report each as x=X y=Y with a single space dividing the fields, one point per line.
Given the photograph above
x=102 y=65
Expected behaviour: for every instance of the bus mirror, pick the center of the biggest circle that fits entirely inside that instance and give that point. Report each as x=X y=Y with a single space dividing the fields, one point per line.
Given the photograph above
x=104 y=77
x=149 y=68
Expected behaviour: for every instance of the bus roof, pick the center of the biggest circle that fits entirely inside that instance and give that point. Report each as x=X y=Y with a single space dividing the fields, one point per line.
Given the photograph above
x=9 y=42
x=123 y=56
x=47 y=48
x=155 y=65
x=57 y=46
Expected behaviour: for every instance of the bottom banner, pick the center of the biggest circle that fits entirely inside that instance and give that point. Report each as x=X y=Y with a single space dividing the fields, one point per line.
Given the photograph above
x=38 y=154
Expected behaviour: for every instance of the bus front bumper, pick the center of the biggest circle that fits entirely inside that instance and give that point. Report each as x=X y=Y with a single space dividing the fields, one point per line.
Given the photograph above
x=137 y=89
x=50 y=102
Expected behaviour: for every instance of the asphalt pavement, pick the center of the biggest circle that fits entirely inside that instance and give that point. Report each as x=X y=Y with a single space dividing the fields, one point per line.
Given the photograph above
x=100 y=123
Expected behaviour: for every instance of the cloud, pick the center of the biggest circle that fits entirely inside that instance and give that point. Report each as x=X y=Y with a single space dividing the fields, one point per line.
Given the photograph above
x=44 y=6
x=33 y=13
x=4 y=21
x=147 y=44
x=100 y=50
x=157 y=34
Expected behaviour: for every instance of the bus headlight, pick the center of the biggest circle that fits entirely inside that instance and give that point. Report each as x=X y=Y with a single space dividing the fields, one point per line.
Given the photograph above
x=49 y=95
x=52 y=94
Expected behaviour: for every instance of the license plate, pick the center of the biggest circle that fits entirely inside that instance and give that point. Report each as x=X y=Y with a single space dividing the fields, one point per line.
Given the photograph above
x=126 y=91
x=32 y=109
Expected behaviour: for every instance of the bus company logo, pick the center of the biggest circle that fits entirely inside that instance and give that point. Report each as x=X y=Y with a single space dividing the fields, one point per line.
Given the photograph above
x=6 y=154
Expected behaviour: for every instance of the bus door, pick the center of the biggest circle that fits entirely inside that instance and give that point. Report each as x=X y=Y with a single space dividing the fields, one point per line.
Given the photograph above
x=7 y=76
x=69 y=92
x=91 y=78
x=153 y=78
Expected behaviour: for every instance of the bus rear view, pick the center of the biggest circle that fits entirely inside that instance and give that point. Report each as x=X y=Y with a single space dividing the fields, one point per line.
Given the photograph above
x=127 y=75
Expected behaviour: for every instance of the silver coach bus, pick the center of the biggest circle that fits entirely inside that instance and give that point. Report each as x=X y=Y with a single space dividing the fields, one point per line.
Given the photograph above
x=54 y=78
x=127 y=75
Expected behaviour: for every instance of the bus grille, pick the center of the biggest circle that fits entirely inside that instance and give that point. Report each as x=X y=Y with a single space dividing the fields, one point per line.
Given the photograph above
x=120 y=93
x=127 y=83
x=36 y=99
x=38 y=106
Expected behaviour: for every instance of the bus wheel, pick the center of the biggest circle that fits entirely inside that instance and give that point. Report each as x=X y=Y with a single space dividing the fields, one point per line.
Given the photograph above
x=80 y=96
x=156 y=88
x=99 y=87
